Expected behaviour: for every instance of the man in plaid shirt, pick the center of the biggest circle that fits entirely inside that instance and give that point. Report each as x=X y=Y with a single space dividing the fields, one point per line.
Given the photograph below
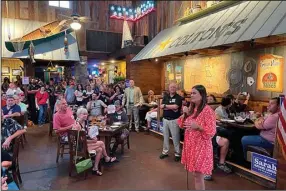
x=10 y=129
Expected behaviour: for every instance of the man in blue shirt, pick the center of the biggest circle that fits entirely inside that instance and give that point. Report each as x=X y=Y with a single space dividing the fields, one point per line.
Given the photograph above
x=69 y=94
x=11 y=109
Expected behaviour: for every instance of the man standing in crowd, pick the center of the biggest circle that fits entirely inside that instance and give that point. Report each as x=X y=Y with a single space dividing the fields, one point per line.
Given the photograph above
x=51 y=91
x=69 y=94
x=33 y=88
x=133 y=99
x=171 y=106
x=267 y=127
x=63 y=120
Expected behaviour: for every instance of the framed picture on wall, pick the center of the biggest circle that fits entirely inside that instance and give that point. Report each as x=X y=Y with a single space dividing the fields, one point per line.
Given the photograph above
x=5 y=70
x=4 y=76
x=16 y=72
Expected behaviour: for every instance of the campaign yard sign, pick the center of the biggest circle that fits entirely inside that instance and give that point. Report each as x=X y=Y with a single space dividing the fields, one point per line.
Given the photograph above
x=264 y=165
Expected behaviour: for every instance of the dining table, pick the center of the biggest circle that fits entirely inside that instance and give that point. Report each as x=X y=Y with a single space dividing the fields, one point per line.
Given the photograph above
x=235 y=131
x=107 y=132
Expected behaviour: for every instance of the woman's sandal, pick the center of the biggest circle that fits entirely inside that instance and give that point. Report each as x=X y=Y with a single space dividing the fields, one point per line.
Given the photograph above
x=110 y=160
x=96 y=172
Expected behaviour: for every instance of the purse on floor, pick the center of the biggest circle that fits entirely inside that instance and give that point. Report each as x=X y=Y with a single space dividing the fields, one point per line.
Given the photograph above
x=82 y=165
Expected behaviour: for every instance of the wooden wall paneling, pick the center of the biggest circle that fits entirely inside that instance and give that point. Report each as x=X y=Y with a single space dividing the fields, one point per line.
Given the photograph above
x=32 y=10
x=51 y=14
x=24 y=9
x=12 y=9
x=17 y=10
x=43 y=11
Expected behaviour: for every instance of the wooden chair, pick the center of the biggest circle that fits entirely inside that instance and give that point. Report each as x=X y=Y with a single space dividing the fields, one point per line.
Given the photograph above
x=15 y=162
x=62 y=147
x=21 y=120
x=82 y=151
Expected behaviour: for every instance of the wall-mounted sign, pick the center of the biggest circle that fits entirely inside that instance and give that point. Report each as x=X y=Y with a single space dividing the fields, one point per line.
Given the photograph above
x=264 y=165
x=131 y=13
x=270 y=73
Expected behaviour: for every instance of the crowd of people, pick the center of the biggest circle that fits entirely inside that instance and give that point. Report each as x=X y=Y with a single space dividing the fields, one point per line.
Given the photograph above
x=194 y=115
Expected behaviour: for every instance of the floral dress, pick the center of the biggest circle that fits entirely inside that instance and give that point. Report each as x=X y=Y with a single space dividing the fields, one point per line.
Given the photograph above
x=197 y=155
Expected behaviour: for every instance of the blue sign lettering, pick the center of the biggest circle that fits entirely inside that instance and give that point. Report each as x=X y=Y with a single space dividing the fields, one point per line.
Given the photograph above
x=264 y=165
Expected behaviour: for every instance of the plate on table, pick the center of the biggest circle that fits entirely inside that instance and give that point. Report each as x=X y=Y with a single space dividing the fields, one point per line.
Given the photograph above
x=114 y=126
x=117 y=123
x=227 y=120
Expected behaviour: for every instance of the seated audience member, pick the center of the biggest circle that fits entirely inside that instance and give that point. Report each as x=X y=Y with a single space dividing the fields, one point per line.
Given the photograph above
x=92 y=143
x=119 y=116
x=221 y=111
x=240 y=103
x=13 y=90
x=221 y=138
x=118 y=95
x=18 y=101
x=95 y=106
x=3 y=99
x=10 y=130
x=59 y=98
x=183 y=94
x=153 y=113
x=267 y=127
x=11 y=109
x=211 y=99
x=7 y=180
x=23 y=107
x=63 y=120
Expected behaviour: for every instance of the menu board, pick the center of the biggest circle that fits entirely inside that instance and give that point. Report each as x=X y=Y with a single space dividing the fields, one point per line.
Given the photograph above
x=270 y=73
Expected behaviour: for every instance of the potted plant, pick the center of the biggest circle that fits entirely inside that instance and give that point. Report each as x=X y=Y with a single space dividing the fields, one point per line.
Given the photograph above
x=118 y=79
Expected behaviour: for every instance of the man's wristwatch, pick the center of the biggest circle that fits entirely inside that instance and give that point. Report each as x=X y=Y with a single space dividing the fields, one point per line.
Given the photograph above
x=164 y=106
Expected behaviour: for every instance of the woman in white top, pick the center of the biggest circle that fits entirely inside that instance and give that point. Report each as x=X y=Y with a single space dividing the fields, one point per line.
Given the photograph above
x=79 y=95
x=87 y=93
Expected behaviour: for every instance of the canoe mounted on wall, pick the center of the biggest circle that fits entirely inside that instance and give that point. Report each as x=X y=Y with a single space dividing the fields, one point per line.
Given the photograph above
x=43 y=34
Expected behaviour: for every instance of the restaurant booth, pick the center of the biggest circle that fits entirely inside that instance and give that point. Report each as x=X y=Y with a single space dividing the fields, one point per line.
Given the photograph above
x=235 y=47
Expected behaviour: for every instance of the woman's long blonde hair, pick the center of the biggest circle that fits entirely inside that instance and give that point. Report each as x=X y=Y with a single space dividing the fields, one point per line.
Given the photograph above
x=151 y=96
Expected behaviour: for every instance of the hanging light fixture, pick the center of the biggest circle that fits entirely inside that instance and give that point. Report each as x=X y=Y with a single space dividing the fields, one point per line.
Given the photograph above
x=75 y=25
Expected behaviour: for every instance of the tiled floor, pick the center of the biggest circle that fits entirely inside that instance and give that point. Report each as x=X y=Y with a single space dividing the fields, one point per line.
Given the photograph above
x=139 y=168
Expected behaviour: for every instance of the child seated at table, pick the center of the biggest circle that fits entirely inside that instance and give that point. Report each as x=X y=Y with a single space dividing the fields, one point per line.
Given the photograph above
x=119 y=116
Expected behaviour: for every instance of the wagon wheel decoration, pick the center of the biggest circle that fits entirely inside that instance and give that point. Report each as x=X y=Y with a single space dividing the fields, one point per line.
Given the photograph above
x=249 y=66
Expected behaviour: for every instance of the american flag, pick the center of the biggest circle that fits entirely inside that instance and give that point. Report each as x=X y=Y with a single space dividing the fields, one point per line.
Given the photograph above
x=281 y=131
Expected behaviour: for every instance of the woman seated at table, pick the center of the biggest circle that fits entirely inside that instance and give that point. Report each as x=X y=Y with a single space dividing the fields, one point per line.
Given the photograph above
x=119 y=116
x=92 y=143
x=152 y=114
x=211 y=99
x=267 y=127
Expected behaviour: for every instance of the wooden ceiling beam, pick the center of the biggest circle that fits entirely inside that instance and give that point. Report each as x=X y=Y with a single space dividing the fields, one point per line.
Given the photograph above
x=270 y=39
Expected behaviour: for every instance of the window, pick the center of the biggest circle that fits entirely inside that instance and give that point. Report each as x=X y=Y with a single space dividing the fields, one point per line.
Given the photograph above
x=63 y=4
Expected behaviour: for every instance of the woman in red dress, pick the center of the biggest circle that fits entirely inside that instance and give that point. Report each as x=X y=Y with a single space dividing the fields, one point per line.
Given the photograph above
x=200 y=124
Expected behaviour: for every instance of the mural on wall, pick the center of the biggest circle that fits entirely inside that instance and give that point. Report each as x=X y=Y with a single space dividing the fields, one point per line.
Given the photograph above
x=270 y=73
x=205 y=71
